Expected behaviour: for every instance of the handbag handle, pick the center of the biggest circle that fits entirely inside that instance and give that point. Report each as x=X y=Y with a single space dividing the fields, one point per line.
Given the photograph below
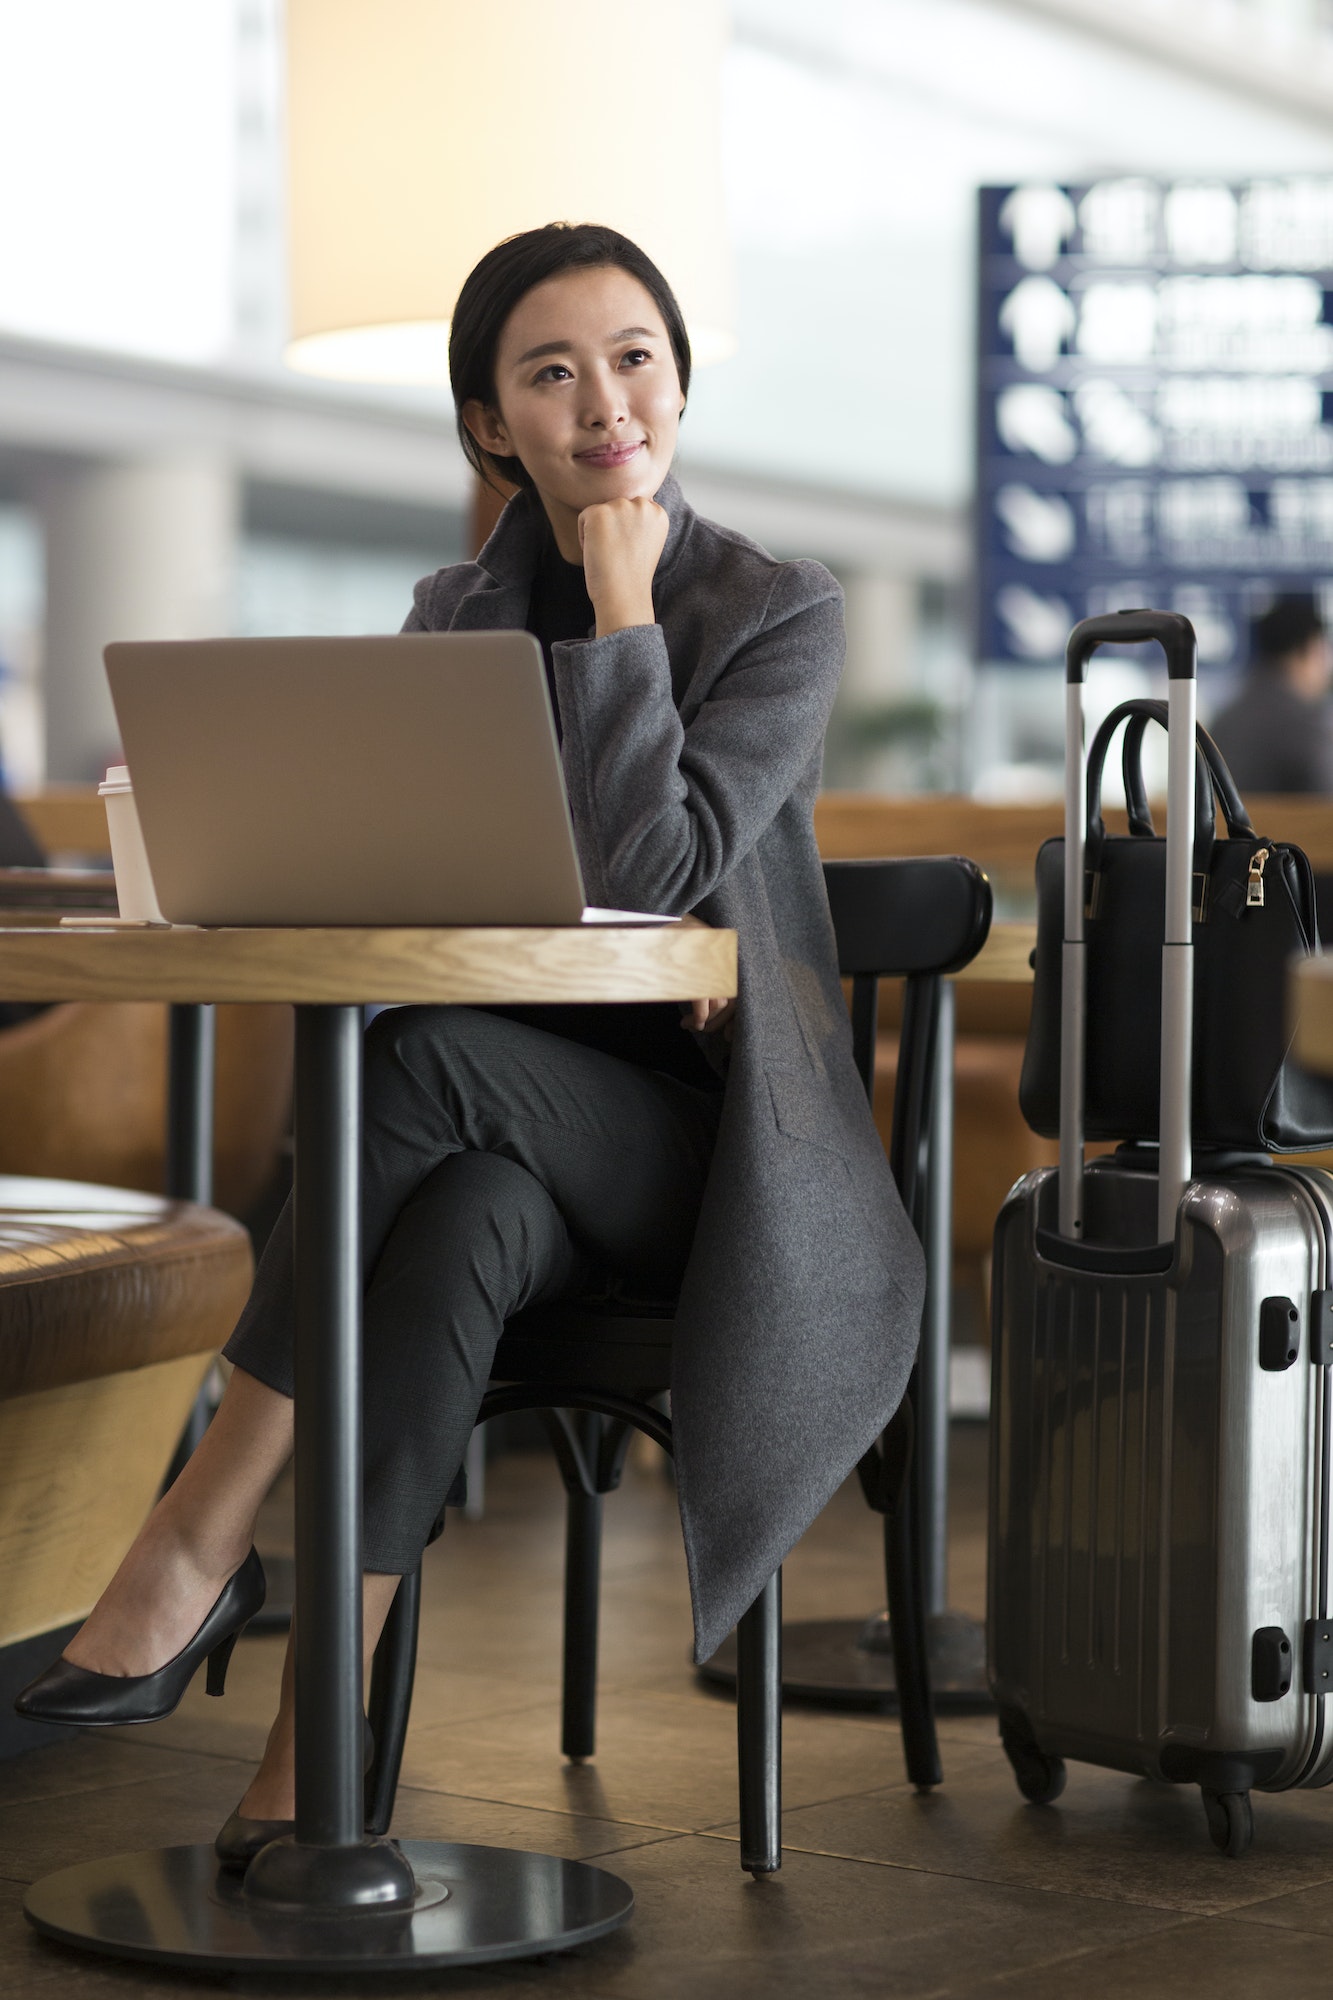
x=1140 y=820
x=1131 y=772
x=1238 y=823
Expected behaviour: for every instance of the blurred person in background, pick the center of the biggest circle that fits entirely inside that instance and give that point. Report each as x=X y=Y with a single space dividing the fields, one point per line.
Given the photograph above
x=1277 y=735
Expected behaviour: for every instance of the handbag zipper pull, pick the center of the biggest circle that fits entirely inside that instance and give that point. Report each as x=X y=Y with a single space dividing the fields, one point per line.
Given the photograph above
x=1254 y=892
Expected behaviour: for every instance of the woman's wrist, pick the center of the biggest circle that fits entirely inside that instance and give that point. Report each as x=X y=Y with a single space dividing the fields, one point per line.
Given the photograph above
x=622 y=542
x=618 y=614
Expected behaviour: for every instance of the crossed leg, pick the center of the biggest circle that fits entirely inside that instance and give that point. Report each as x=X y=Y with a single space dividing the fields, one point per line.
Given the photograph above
x=502 y=1165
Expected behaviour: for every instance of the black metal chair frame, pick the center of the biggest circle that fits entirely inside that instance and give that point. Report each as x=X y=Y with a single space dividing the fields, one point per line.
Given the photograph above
x=919 y=920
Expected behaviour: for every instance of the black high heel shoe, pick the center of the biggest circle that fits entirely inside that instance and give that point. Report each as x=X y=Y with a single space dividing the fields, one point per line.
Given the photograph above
x=77 y=1695
x=241 y=1839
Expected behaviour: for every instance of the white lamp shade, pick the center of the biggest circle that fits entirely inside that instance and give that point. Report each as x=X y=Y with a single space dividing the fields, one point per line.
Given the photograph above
x=422 y=132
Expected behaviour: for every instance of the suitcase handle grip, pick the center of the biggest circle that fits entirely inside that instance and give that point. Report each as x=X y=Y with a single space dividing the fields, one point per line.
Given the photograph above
x=1173 y=633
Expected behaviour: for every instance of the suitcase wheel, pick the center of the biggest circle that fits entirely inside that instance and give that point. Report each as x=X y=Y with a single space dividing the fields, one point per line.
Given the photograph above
x=1230 y=1821
x=1041 y=1778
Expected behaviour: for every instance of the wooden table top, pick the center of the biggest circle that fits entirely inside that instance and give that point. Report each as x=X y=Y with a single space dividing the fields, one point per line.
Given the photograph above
x=1311 y=1013
x=474 y=966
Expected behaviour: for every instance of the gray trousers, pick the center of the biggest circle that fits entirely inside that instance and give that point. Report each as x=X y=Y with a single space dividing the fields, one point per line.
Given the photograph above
x=502 y=1166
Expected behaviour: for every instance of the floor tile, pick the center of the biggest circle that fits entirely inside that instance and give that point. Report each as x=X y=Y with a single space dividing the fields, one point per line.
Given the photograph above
x=1108 y=1836
x=423 y=1815
x=667 y=1762
x=81 y=1764
x=1222 y=1960
x=824 y=1927
x=1297 y=1909
x=237 y=1725
x=179 y=1800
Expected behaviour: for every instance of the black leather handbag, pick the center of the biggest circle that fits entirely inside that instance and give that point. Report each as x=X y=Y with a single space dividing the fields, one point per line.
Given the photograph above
x=1254 y=911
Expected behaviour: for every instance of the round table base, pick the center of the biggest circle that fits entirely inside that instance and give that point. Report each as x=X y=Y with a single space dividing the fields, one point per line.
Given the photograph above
x=174 y=1906
x=847 y=1663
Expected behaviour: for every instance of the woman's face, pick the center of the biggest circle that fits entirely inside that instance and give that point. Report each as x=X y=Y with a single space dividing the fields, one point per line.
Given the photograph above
x=588 y=397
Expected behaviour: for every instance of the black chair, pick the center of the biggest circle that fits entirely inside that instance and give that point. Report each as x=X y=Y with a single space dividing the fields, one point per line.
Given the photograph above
x=596 y=1376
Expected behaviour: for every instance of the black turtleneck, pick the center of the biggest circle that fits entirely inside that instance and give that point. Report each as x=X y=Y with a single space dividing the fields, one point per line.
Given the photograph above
x=559 y=608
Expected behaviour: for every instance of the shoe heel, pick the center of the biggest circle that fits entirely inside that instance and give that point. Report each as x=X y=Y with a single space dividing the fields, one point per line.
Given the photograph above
x=218 y=1661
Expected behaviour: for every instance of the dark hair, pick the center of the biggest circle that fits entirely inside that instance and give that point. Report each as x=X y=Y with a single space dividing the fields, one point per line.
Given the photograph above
x=1289 y=624
x=507 y=274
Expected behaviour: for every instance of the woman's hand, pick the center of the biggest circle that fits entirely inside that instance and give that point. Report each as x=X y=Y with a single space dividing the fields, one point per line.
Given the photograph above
x=706 y=1017
x=622 y=542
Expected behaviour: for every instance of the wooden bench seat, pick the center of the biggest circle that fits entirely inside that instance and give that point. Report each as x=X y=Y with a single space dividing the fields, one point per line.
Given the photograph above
x=112 y=1306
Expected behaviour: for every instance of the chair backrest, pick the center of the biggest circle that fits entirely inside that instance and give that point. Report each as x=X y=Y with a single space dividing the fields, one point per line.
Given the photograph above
x=896 y=919
x=915 y=919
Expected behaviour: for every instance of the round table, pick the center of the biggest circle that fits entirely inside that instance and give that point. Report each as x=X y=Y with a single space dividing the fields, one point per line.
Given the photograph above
x=330 y=1898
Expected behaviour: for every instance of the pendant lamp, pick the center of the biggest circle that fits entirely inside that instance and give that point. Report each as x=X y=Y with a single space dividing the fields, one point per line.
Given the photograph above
x=421 y=132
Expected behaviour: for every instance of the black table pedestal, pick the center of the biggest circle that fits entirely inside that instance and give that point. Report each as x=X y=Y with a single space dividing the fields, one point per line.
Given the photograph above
x=331 y=1897
x=471 y=1905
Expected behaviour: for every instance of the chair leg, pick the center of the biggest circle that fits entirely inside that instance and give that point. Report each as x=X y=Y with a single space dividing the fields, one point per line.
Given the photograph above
x=759 y=1729
x=583 y=1576
x=390 y=1703
x=907 y=1615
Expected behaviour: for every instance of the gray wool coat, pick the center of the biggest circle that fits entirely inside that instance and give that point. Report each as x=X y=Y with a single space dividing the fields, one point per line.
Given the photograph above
x=691 y=755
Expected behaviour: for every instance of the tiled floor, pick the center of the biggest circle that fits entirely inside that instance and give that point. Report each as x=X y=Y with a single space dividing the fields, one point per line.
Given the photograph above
x=1114 y=1891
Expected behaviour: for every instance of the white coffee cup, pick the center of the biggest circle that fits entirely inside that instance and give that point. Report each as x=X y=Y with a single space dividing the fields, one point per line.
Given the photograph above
x=135 y=894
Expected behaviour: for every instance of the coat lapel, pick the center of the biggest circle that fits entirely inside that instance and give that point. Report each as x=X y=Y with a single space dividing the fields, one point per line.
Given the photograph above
x=501 y=608
x=498 y=600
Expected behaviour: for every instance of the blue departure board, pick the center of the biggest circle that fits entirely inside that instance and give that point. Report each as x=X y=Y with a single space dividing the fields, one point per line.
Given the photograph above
x=1154 y=408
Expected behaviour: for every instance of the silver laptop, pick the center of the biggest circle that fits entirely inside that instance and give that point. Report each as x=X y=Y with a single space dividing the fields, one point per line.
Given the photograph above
x=412 y=779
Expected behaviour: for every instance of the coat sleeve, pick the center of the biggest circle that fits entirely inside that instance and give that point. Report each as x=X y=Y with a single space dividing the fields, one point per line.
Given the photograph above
x=663 y=812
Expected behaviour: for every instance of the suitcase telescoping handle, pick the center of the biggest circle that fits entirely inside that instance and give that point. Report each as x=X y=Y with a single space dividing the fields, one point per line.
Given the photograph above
x=1175 y=635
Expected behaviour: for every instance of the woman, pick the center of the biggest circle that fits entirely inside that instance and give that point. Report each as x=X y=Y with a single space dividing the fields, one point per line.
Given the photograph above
x=514 y=1155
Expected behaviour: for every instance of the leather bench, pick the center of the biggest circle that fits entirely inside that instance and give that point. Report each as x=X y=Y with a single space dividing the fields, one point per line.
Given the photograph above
x=112 y=1306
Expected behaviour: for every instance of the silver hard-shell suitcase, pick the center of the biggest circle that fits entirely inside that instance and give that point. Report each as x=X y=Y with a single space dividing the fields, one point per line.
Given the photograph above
x=1158 y=1585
